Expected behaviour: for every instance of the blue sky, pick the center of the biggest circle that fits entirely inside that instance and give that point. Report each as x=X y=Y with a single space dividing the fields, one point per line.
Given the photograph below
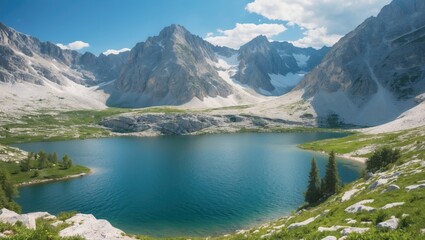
x=117 y=24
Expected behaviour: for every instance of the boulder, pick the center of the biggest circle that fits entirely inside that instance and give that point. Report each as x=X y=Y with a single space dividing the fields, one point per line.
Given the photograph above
x=331 y=229
x=330 y=238
x=359 y=207
x=88 y=227
x=11 y=217
x=266 y=235
x=392 y=187
x=279 y=227
x=391 y=205
x=416 y=186
x=349 y=230
x=348 y=194
x=303 y=223
x=378 y=183
x=391 y=223
x=350 y=221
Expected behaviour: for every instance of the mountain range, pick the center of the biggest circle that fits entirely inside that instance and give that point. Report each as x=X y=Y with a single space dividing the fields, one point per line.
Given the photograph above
x=172 y=68
x=371 y=76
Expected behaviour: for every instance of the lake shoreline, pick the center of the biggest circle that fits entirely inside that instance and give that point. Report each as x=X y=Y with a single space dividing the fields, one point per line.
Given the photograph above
x=345 y=156
x=44 y=181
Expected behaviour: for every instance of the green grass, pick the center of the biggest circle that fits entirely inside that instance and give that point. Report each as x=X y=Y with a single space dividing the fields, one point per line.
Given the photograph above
x=412 y=140
x=52 y=173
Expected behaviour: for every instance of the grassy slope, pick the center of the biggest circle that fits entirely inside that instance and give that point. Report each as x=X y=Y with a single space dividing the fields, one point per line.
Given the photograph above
x=411 y=142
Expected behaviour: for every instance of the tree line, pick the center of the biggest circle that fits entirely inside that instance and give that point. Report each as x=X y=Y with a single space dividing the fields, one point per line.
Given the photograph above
x=44 y=160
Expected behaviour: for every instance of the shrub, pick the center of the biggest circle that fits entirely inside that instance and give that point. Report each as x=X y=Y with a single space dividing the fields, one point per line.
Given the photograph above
x=381 y=158
x=380 y=217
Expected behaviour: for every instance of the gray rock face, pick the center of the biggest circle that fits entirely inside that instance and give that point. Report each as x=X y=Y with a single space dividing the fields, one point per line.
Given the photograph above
x=383 y=54
x=26 y=59
x=185 y=123
x=169 y=69
x=259 y=58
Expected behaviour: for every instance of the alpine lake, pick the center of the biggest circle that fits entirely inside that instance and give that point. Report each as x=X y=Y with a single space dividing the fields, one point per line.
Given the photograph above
x=184 y=185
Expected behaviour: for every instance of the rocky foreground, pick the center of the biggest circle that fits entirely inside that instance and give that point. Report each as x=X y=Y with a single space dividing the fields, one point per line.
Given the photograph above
x=83 y=225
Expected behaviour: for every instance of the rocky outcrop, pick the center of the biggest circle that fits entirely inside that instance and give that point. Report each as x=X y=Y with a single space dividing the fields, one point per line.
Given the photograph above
x=415 y=186
x=359 y=207
x=307 y=221
x=349 y=230
x=391 y=223
x=28 y=220
x=188 y=123
x=391 y=205
x=88 y=227
x=82 y=225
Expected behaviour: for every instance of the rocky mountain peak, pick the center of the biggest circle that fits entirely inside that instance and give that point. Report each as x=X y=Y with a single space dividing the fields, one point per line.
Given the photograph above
x=259 y=43
x=173 y=31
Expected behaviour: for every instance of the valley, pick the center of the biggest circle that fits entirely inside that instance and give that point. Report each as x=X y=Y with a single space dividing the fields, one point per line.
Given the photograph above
x=180 y=138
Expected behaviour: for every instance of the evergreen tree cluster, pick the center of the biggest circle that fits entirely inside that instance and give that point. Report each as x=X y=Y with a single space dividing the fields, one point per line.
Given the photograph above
x=7 y=191
x=318 y=189
x=43 y=160
x=382 y=158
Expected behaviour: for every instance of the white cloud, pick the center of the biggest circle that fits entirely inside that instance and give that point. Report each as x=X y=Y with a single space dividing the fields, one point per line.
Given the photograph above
x=329 y=18
x=115 y=52
x=317 y=38
x=77 y=45
x=243 y=33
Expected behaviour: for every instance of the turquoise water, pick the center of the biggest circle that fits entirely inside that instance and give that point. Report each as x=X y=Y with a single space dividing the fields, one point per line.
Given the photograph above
x=183 y=185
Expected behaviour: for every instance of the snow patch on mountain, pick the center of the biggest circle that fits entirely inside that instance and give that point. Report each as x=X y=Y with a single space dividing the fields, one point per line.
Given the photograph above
x=242 y=94
x=301 y=60
x=285 y=83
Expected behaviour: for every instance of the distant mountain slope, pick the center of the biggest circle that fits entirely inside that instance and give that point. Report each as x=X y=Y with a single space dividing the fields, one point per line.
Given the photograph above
x=373 y=73
x=274 y=68
x=26 y=59
x=169 y=69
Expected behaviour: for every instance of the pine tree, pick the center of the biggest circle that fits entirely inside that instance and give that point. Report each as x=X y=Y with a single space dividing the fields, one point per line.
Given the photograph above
x=43 y=162
x=313 y=193
x=7 y=192
x=66 y=162
x=26 y=163
x=331 y=180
